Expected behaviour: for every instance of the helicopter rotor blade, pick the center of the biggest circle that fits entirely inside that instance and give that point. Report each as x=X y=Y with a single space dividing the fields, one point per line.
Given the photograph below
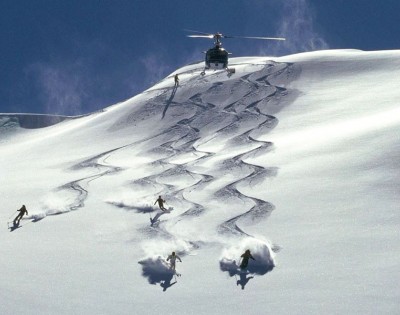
x=202 y=33
x=252 y=37
x=201 y=36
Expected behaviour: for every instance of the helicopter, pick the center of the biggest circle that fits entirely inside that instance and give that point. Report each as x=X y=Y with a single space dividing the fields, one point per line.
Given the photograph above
x=217 y=57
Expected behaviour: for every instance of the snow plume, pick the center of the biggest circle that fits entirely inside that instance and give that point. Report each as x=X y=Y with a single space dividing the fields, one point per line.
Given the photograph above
x=54 y=203
x=157 y=270
x=61 y=87
x=138 y=207
x=297 y=26
x=260 y=250
x=155 y=267
x=136 y=202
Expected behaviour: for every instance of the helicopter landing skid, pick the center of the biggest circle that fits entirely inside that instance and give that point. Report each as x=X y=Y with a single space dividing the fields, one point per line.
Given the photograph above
x=230 y=71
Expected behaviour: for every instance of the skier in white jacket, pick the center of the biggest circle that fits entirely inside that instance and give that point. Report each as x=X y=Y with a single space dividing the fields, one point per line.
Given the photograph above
x=173 y=257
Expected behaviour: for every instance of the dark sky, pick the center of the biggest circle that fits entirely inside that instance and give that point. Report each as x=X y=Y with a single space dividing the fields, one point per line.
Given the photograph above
x=77 y=56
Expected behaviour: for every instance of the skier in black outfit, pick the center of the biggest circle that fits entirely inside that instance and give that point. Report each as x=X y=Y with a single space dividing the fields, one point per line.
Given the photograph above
x=160 y=203
x=22 y=212
x=176 y=79
x=245 y=259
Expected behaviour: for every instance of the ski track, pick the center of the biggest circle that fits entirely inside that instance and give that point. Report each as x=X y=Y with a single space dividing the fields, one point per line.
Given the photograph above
x=237 y=121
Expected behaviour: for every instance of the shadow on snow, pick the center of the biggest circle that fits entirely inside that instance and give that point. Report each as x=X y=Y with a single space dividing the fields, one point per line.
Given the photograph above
x=157 y=271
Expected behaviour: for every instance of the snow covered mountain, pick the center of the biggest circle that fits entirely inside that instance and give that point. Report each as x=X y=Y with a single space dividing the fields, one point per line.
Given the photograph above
x=295 y=158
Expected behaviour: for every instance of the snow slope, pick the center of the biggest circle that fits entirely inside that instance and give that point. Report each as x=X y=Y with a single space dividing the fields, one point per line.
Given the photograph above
x=295 y=158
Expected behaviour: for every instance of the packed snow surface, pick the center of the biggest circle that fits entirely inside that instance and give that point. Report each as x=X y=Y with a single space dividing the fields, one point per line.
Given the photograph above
x=295 y=158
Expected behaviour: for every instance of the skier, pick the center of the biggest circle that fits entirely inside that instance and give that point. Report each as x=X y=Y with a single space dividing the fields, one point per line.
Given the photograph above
x=245 y=259
x=160 y=203
x=22 y=212
x=176 y=79
x=173 y=257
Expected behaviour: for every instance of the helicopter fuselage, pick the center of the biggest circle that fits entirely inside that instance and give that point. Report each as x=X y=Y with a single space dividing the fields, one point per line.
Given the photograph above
x=216 y=57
